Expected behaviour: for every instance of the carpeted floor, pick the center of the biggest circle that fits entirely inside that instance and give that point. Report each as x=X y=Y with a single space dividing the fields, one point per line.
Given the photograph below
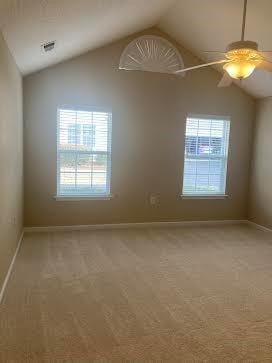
x=154 y=295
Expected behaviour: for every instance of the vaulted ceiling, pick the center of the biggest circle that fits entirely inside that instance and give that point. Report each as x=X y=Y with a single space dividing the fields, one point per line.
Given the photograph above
x=82 y=25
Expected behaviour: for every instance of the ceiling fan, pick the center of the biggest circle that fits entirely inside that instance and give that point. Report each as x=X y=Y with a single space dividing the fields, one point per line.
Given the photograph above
x=241 y=59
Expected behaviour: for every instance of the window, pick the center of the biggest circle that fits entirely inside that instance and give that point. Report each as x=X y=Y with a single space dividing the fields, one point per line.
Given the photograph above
x=206 y=153
x=83 y=153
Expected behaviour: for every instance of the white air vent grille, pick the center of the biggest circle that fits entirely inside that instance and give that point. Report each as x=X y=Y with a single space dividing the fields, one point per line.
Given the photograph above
x=47 y=47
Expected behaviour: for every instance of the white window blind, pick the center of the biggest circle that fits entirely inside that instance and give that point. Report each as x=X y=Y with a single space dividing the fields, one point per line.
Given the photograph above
x=83 y=153
x=206 y=153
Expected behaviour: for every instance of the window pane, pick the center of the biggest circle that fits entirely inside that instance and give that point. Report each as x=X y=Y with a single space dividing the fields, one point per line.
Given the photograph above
x=215 y=181
x=99 y=180
x=84 y=152
x=189 y=184
x=205 y=161
x=83 y=180
x=216 y=166
x=67 y=182
x=100 y=163
x=190 y=166
x=203 y=167
x=88 y=135
x=190 y=147
x=67 y=161
x=101 y=131
x=84 y=163
x=203 y=145
x=202 y=183
x=67 y=130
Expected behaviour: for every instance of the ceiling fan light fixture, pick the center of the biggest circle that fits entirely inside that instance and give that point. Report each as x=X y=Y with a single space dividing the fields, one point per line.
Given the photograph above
x=241 y=59
x=239 y=69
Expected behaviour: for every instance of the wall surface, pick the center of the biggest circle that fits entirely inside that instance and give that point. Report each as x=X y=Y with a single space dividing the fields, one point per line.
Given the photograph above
x=149 y=113
x=260 y=209
x=11 y=158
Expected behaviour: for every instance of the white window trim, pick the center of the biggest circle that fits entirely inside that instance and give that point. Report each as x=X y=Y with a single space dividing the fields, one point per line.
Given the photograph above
x=105 y=196
x=78 y=198
x=204 y=196
x=224 y=195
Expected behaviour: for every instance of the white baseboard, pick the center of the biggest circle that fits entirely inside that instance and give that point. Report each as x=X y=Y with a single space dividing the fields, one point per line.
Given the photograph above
x=132 y=225
x=258 y=226
x=2 y=290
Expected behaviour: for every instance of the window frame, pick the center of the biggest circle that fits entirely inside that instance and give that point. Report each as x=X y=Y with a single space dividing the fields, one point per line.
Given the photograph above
x=223 y=195
x=79 y=197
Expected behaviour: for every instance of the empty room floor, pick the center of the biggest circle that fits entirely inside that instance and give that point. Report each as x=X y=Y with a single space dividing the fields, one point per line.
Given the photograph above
x=140 y=295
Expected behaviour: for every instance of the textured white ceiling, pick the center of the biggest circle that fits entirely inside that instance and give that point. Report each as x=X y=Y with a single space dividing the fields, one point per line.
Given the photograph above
x=82 y=25
x=76 y=25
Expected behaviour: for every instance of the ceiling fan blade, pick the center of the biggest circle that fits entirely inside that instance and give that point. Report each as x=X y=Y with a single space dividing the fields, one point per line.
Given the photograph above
x=202 y=65
x=265 y=65
x=226 y=81
x=213 y=51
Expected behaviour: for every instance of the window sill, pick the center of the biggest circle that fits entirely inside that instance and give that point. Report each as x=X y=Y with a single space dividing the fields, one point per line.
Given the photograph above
x=79 y=198
x=218 y=196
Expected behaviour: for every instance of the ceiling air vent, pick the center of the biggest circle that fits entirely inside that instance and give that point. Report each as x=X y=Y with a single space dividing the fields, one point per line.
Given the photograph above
x=47 y=47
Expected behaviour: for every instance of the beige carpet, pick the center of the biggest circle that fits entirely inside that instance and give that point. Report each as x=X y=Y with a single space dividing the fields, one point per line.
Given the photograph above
x=160 y=295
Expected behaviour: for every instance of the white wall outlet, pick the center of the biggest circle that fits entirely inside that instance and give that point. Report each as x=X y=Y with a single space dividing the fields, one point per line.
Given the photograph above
x=154 y=199
x=12 y=221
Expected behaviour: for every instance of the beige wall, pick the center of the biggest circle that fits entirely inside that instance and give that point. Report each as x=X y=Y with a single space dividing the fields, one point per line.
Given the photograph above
x=260 y=210
x=11 y=158
x=149 y=113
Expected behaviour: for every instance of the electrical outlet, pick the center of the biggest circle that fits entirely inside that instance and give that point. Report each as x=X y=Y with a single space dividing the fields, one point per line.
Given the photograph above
x=12 y=221
x=154 y=199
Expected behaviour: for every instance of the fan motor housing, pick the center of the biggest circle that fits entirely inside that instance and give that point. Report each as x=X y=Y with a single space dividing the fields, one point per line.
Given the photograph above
x=242 y=44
